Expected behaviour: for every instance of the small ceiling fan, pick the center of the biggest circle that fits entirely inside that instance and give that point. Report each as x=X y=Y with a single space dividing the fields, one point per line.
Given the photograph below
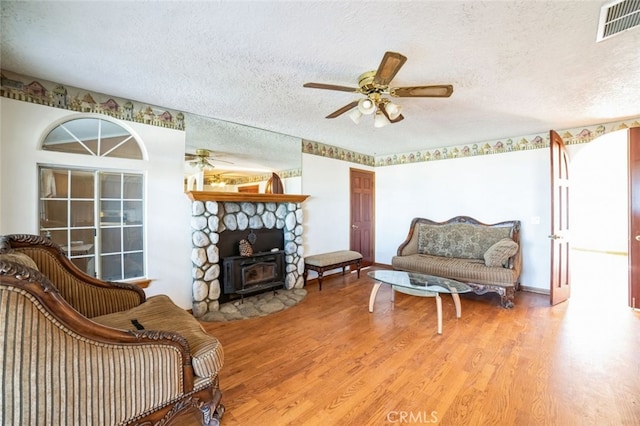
x=203 y=159
x=375 y=86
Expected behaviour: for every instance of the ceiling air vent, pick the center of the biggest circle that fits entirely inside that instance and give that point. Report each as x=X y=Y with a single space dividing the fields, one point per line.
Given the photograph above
x=618 y=16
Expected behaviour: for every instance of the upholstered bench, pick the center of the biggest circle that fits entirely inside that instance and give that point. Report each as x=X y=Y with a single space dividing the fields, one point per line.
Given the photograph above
x=328 y=261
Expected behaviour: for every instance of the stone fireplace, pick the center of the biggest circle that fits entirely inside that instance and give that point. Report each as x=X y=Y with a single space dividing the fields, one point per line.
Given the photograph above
x=217 y=218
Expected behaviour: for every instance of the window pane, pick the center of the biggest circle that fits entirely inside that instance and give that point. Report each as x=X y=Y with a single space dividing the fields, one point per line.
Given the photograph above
x=84 y=129
x=111 y=242
x=109 y=146
x=54 y=214
x=132 y=238
x=133 y=187
x=133 y=265
x=53 y=183
x=67 y=136
x=86 y=264
x=82 y=213
x=111 y=267
x=110 y=213
x=82 y=185
x=93 y=136
x=82 y=251
x=82 y=241
x=110 y=185
x=129 y=149
x=133 y=212
x=59 y=237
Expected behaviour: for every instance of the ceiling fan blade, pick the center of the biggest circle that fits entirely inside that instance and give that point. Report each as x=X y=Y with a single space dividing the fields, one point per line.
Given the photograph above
x=383 y=108
x=438 y=91
x=343 y=110
x=210 y=160
x=389 y=67
x=331 y=87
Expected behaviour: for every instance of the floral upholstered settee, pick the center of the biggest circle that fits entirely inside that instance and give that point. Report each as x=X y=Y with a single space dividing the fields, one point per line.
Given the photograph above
x=78 y=350
x=485 y=256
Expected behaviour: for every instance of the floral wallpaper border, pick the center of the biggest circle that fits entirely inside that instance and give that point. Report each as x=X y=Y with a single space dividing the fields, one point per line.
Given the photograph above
x=572 y=136
x=43 y=92
x=329 y=151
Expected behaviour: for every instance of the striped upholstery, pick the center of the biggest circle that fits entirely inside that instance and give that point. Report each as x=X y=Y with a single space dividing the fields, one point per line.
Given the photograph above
x=53 y=376
x=87 y=299
x=466 y=270
x=61 y=368
x=160 y=313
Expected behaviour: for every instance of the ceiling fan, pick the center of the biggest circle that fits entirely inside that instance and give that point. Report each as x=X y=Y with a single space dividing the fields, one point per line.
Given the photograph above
x=375 y=86
x=203 y=159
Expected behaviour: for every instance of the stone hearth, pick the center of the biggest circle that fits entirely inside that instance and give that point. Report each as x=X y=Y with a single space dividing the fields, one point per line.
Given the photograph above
x=214 y=213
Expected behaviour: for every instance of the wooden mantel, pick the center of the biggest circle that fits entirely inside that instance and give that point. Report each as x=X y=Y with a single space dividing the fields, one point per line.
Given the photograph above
x=245 y=196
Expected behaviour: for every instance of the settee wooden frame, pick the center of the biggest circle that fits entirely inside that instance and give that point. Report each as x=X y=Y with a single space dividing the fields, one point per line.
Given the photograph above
x=15 y=277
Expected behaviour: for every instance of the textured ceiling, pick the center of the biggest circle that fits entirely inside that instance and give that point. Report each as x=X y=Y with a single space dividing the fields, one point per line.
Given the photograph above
x=517 y=67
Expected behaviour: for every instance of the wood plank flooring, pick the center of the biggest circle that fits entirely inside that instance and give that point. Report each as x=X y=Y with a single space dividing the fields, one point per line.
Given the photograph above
x=329 y=361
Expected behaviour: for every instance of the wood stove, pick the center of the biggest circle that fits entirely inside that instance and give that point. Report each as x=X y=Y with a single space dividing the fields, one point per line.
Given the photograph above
x=252 y=274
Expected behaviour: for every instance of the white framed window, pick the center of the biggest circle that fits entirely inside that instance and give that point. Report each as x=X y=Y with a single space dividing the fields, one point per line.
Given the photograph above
x=93 y=136
x=97 y=214
x=97 y=217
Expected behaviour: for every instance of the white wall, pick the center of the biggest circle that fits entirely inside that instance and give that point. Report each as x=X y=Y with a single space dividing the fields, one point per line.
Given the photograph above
x=491 y=189
x=327 y=222
x=168 y=233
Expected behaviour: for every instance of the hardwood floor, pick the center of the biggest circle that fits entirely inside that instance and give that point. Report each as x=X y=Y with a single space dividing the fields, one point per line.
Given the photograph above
x=329 y=361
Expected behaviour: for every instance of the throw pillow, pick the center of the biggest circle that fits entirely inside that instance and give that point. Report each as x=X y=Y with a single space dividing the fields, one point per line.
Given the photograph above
x=20 y=258
x=500 y=252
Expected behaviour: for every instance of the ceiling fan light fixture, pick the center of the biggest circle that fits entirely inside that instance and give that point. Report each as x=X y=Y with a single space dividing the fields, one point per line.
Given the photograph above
x=366 y=106
x=355 y=116
x=202 y=165
x=380 y=120
x=393 y=110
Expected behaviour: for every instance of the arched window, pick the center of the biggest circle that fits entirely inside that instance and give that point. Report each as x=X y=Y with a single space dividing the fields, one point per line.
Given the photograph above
x=96 y=215
x=93 y=136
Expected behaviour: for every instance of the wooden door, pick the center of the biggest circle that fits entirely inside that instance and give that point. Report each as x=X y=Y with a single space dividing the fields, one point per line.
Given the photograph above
x=560 y=273
x=362 y=214
x=634 y=217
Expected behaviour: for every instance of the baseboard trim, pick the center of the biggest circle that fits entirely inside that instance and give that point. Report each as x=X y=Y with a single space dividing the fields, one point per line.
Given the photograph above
x=534 y=290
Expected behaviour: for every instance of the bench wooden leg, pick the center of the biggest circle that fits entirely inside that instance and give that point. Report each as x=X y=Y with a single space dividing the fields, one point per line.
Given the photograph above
x=320 y=270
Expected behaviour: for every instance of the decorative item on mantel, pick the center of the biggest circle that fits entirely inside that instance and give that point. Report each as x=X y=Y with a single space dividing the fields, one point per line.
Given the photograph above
x=274 y=185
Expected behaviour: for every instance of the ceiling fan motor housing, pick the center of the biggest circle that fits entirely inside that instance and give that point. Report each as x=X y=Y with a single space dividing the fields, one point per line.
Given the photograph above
x=367 y=86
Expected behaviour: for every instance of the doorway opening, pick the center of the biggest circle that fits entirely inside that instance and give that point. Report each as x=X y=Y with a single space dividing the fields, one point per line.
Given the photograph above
x=599 y=221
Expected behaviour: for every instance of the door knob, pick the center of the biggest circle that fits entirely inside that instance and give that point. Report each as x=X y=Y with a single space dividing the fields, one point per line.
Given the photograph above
x=354 y=226
x=637 y=237
x=555 y=237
